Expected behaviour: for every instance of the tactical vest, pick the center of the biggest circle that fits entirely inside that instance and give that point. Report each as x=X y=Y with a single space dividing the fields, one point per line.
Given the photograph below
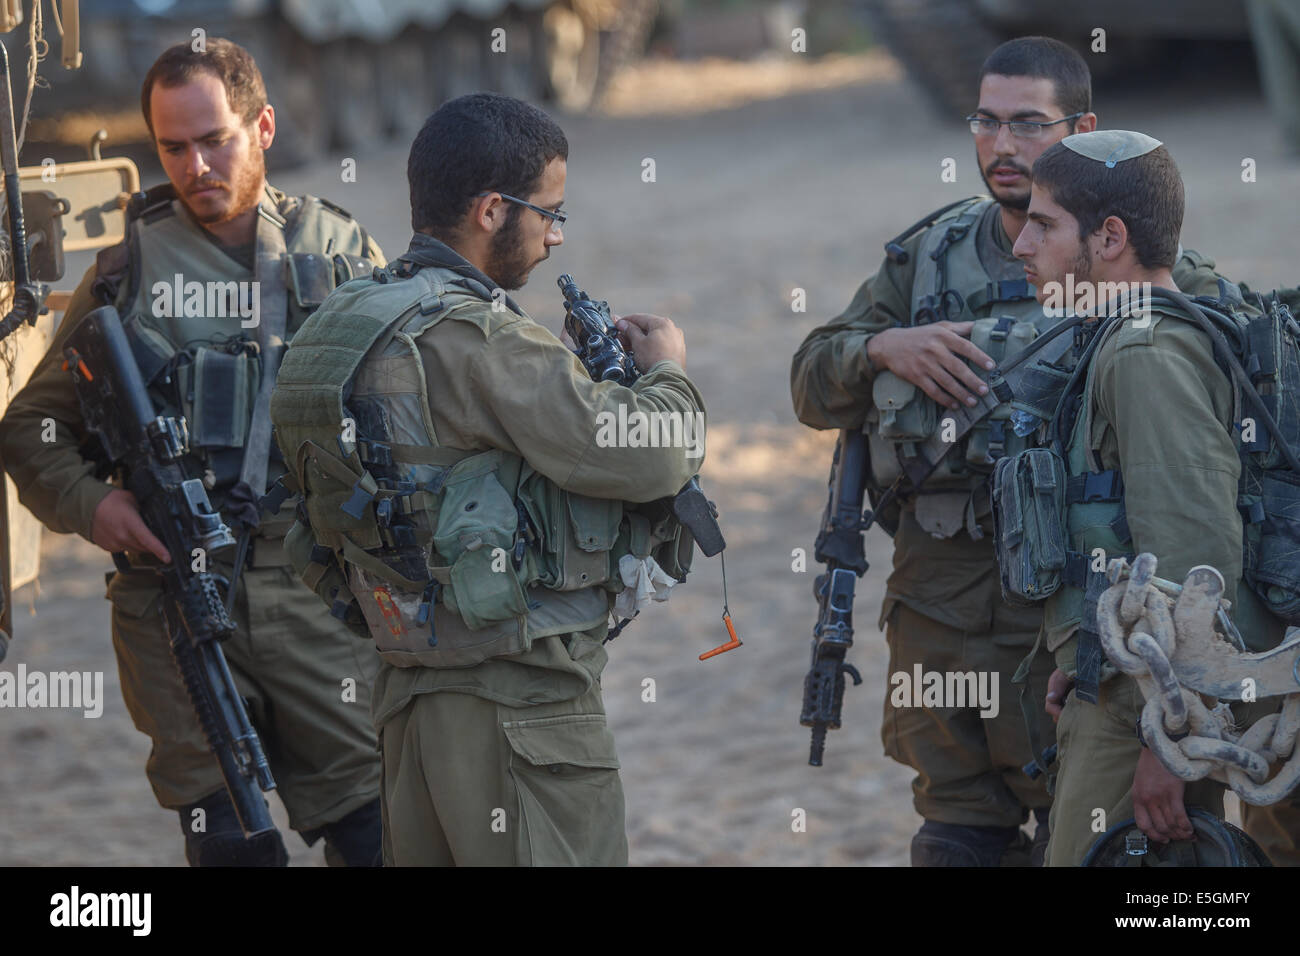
x=446 y=556
x=184 y=302
x=1060 y=519
x=952 y=282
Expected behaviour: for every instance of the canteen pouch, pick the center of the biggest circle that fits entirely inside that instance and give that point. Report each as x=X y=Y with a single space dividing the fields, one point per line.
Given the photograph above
x=899 y=417
x=1029 y=524
x=903 y=412
x=475 y=536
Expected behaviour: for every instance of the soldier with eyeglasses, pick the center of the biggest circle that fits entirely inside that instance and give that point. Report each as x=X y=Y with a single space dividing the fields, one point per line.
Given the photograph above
x=949 y=301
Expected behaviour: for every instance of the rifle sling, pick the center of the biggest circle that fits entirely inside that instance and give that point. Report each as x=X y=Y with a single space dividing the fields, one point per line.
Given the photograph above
x=274 y=306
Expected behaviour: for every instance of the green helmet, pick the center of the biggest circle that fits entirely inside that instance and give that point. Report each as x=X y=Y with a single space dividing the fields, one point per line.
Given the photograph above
x=1217 y=843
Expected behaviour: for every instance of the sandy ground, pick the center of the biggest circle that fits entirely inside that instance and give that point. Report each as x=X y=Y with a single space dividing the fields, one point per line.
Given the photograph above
x=748 y=204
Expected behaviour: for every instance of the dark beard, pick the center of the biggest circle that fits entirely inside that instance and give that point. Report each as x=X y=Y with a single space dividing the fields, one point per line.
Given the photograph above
x=1019 y=203
x=508 y=264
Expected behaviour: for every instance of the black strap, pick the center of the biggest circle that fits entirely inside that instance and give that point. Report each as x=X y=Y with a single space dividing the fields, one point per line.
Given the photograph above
x=1094 y=486
x=894 y=247
x=1003 y=290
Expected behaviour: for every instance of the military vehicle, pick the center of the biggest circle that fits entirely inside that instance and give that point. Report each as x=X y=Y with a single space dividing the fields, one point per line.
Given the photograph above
x=50 y=209
x=943 y=43
x=346 y=73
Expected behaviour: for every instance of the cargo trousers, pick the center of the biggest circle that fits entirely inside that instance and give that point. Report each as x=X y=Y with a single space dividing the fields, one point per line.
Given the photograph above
x=969 y=767
x=305 y=678
x=469 y=781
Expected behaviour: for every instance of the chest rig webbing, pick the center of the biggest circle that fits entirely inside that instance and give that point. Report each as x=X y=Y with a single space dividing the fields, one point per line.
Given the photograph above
x=1260 y=354
x=204 y=328
x=447 y=555
x=961 y=275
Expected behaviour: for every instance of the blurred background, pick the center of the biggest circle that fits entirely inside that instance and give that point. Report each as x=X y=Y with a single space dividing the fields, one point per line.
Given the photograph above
x=789 y=141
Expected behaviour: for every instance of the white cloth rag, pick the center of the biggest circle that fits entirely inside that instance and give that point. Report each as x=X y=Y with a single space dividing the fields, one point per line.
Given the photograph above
x=645 y=582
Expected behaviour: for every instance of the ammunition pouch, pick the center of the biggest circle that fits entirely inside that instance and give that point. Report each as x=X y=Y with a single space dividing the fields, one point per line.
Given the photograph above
x=1029 y=521
x=217 y=388
x=902 y=417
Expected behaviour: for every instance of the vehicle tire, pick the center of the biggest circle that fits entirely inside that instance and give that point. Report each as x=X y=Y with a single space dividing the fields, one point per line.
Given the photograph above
x=941 y=43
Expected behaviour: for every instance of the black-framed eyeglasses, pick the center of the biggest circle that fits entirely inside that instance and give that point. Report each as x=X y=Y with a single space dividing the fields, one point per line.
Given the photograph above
x=557 y=218
x=1024 y=129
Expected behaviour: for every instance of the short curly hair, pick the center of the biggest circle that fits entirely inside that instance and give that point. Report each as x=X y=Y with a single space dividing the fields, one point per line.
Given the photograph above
x=1145 y=192
x=229 y=62
x=476 y=143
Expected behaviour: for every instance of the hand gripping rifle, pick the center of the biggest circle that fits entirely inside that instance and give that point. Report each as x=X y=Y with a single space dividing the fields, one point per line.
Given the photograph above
x=598 y=348
x=596 y=343
x=148 y=448
x=839 y=543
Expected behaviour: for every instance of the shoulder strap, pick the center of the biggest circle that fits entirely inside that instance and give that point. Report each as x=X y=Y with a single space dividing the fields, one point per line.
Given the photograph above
x=1229 y=361
x=894 y=247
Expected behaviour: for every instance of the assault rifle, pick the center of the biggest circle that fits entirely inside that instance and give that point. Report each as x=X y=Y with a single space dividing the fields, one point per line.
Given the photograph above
x=148 y=448
x=597 y=345
x=839 y=542
x=839 y=547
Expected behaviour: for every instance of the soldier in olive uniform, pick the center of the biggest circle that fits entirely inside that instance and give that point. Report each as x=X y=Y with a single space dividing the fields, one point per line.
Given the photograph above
x=459 y=502
x=217 y=226
x=1107 y=207
x=907 y=339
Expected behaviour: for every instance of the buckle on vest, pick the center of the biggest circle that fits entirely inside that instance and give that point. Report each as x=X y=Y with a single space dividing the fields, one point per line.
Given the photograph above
x=997 y=440
x=374 y=453
x=524 y=535
x=355 y=506
x=1252 y=513
x=273 y=499
x=425 y=615
x=384 y=512
x=1094 y=486
x=1075 y=572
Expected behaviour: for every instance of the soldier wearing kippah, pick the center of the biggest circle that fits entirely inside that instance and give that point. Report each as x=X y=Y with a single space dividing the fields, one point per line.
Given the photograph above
x=1154 y=422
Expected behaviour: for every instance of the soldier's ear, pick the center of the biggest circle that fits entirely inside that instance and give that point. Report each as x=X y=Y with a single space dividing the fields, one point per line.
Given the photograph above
x=1086 y=123
x=1111 y=239
x=488 y=213
x=264 y=127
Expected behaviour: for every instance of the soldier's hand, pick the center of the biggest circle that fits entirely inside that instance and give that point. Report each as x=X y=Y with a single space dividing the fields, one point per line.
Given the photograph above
x=117 y=526
x=1058 y=687
x=930 y=357
x=651 y=338
x=1158 y=801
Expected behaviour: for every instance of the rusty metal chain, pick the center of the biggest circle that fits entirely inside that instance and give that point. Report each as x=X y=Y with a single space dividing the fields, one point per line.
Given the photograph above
x=1163 y=635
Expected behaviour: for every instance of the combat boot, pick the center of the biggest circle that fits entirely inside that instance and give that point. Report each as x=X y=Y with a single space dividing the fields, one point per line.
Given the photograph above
x=951 y=844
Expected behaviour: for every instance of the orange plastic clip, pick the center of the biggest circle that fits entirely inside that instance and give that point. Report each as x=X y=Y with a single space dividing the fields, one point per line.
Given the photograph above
x=730 y=645
x=81 y=367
